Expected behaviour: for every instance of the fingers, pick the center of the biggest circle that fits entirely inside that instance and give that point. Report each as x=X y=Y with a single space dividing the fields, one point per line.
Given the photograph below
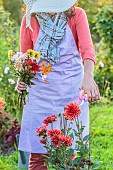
x=22 y=83
x=89 y=95
x=97 y=93
x=20 y=86
x=93 y=93
x=19 y=91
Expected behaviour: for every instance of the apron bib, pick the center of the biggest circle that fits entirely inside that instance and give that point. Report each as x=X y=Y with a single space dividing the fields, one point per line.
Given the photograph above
x=46 y=99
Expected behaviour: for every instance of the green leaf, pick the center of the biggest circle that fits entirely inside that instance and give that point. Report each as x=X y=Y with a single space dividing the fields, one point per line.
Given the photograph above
x=71 y=151
x=75 y=133
x=71 y=135
x=69 y=129
x=87 y=137
x=77 y=160
x=32 y=83
x=80 y=143
x=81 y=130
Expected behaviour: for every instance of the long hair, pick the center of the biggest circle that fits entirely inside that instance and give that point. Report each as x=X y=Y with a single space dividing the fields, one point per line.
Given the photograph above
x=69 y=13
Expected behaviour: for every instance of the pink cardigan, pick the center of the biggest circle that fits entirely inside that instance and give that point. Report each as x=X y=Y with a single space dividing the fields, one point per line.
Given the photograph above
x=80 y=29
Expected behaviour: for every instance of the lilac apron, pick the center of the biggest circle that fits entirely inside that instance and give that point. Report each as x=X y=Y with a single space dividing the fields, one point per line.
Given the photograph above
x=50 y=98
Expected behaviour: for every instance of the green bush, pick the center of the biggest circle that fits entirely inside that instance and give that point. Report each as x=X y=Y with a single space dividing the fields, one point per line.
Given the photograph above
x=9 y=128
x=9 y=39
x=14 y=9
x=104 y=27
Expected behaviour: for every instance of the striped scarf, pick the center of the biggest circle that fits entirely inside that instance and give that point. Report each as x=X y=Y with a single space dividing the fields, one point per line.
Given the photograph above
x=54 y=29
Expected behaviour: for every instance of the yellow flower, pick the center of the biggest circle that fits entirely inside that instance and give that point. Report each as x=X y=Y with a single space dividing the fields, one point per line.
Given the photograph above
x=30 y=53
x=37 y=55
x=17 y=65
x=10 y=54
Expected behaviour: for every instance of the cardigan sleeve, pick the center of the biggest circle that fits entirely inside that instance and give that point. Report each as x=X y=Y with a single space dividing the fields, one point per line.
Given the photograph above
x=85 y=44
x=25 y=37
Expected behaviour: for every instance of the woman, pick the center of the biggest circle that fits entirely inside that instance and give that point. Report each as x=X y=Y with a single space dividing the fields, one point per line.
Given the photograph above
x=60 y=31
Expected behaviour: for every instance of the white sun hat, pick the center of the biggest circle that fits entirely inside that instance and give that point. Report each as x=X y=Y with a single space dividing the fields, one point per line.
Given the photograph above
x=50 y=5
x=34 y=6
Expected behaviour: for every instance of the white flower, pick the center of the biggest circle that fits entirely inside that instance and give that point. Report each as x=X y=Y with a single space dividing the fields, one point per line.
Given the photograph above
x=0 y=78
x=22 y=58
x=6 y=71
x=16 y=56
x=11 y=81
x=101 y=64
x=44 y=77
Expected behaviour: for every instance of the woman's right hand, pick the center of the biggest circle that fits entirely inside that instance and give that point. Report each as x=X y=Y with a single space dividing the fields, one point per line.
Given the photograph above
x=20 y=86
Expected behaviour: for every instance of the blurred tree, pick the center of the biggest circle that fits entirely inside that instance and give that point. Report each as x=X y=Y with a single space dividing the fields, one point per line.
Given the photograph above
x=104 y=27
x=1 y=4
x=14 y=8
x=9 y=40
x=91 y=8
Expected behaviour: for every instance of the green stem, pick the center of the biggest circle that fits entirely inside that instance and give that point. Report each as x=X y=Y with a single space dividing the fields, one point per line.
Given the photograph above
x=64 y=121
x=78 y=128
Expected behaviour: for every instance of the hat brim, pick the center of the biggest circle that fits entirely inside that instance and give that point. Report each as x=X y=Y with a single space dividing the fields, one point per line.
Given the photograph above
x=52 y=5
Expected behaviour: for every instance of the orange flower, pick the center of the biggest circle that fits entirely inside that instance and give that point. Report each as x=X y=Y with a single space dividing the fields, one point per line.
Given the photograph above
x=2 y=107
x=17 y=65
x=45 y=69
x=46 y=81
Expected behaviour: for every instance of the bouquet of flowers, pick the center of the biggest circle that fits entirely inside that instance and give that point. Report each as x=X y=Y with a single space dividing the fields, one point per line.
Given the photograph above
x=26 y=66
x=58 y=142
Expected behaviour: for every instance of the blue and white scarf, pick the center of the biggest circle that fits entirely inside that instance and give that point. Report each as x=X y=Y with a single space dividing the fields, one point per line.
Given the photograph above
x=54 y=30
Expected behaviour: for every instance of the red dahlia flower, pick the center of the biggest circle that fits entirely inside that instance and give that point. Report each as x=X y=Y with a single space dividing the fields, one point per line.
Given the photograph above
x=50 y=119
x=72 y=111
x=43 y=141
x=54 y=132
x=34 y=66
x=66 y=140
x=56 y=141
x=41 y=130
x=59 y=140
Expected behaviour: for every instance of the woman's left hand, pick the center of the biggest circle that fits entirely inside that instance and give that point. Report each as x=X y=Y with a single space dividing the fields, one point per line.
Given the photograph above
x=91 y=88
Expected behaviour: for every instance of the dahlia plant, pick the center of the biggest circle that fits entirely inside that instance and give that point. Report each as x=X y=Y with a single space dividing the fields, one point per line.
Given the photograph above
x=9 y=128
x=67 y=148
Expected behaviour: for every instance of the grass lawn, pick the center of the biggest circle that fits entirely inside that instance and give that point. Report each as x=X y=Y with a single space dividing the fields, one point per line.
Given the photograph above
x=101 y=118
x=102 y=132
